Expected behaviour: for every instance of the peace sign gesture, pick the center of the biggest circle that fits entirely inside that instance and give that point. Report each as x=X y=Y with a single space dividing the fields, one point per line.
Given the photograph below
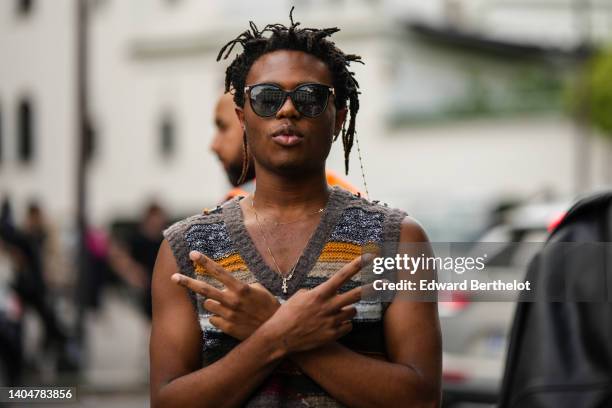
x=239 y=309
x=310 y=318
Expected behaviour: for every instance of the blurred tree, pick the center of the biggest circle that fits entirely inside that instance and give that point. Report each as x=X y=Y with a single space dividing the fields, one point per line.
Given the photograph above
x=590 y=94
x=599 y=81
x=590 y=99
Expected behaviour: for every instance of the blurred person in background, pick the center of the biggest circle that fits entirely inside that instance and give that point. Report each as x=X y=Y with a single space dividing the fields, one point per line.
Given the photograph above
x=93 y=282
x=228 y=145
x=133 y=257
x=6 y=212
x=11 y=348
x=11 y=315
x=266 y=311
x=35 y=225
x=28 y=262
x=57 y=272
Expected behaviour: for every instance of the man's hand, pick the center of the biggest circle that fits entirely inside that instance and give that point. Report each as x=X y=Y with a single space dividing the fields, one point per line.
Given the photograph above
x=311 y=318
x=240 y=308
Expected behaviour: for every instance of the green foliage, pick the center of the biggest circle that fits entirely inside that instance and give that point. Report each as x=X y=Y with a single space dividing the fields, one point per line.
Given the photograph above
x=600 y=84
x=590 y=96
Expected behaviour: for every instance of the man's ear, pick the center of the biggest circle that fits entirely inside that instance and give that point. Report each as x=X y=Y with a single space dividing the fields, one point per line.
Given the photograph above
x=340 y=118
x=240 y=114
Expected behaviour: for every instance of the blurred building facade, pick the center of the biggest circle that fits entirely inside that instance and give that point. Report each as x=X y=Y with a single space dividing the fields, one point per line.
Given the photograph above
x=460 y=100
x=37 y=108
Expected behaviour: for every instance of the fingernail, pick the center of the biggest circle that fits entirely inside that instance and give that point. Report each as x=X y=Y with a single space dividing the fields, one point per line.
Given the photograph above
x=176 y=278
x=367 y=257
x=195 y=255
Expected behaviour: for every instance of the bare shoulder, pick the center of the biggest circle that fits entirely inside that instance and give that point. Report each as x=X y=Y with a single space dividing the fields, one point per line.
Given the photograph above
x=165 y=262
x=166 y=294
x=412 y=231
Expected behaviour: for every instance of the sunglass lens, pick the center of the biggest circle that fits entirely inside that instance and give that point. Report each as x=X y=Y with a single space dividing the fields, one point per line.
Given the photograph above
x=310 y=100
x=266 y=100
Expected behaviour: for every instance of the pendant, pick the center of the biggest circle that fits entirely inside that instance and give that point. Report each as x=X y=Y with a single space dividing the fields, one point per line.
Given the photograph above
x=285 y=286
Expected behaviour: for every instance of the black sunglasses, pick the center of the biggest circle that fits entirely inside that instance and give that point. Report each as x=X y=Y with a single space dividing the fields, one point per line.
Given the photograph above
x=309 y=99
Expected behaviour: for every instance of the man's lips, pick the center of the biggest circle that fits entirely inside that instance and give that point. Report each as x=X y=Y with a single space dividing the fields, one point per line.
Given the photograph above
x=287 y=136
x=287 y=140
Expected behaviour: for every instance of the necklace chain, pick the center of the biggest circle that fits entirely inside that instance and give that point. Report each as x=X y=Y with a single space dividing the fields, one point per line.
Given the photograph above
x=287 y=277
x=276 y=223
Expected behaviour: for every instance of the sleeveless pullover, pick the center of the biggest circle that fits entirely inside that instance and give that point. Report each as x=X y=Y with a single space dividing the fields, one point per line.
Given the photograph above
x=348 y=224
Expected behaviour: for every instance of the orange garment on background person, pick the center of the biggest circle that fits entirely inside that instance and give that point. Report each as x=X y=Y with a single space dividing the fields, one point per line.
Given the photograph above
x=332 y=179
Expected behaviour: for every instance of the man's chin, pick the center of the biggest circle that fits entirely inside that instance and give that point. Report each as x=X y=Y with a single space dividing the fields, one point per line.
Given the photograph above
x=293 y=169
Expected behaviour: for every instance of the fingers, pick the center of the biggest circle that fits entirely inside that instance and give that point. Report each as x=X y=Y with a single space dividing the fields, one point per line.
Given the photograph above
x=197 y=286
x=217 y=308
x=352 y=296
x=344 y=329
x=216 y=270
x=331 y=286
x=346 y=313
x=219 y=322
x=347 y=298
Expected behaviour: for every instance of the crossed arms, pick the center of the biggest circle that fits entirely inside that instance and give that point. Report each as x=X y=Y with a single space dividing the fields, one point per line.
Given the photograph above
x=303 y=329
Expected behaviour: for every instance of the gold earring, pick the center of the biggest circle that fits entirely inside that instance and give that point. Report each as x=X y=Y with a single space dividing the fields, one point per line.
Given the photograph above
x=245 y=159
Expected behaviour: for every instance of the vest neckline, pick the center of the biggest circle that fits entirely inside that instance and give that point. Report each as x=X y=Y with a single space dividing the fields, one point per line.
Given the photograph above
x=234 y=220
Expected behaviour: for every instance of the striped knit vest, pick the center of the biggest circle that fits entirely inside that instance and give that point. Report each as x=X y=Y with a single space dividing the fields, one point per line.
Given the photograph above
x=348 y=224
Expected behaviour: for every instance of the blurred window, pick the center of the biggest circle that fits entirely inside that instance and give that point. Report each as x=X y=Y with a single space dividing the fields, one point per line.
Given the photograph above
x=90 y=142
x=24 y=7
x=167 y=135
x=25 y=131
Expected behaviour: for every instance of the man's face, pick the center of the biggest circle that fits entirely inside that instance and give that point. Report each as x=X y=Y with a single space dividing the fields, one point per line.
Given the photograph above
x=227 y=142
x=267 y=135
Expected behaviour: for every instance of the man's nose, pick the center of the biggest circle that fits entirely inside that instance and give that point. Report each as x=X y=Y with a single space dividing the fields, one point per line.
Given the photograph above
x=214 y=145
x=288 y=110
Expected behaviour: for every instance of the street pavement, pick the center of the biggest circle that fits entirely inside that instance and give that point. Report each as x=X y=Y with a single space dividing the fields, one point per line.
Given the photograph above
x=116 y=371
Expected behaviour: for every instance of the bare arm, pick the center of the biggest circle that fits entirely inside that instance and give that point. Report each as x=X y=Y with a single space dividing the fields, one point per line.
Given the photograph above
x=175 y=351
x=410 y=377
x=125 y=266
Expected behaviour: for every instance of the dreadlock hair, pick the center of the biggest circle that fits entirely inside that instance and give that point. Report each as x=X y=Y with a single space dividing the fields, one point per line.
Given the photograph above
x=245 y=160
x=310 y=40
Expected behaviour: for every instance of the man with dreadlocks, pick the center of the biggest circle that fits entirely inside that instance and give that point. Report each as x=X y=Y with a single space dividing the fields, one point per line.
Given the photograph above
x=267 y=309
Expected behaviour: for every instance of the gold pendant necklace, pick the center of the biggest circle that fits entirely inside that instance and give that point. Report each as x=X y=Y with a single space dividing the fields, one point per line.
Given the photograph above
x=263 y=235
x=277 y=223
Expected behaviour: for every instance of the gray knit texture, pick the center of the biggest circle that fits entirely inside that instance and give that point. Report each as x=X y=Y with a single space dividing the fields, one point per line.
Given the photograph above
x=231 y=214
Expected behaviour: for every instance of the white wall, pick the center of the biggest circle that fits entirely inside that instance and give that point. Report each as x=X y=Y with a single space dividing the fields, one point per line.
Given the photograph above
x=38 y=61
